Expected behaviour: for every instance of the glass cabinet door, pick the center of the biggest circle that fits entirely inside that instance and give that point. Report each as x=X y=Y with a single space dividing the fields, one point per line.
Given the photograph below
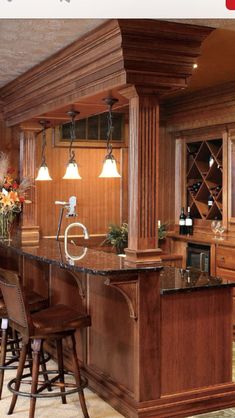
x=231 y=176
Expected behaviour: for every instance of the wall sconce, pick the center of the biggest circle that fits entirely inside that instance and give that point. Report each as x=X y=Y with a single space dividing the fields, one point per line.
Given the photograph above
x=109 y=169
x=72 y=167
x=43 y=172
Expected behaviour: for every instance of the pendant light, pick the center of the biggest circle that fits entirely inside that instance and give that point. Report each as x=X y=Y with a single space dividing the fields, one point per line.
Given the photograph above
x=72 y=167
x=109 y=169
x=43 y=172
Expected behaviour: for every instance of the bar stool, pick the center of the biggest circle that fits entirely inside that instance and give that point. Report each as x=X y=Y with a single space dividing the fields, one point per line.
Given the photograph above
x=56 y=322
x=36 y=303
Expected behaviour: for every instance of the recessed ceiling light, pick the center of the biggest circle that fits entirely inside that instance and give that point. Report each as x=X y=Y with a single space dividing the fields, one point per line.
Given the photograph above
x=195 y=66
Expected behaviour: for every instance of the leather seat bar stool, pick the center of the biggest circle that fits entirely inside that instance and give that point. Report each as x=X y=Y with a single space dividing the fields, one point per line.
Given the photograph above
x=53 y=323
x=10 y=338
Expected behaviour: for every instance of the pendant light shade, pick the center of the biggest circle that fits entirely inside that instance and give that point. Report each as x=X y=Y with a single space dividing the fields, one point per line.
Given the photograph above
x=109 y=169
x=72 y=172
x=43 y=172
x=72 y=167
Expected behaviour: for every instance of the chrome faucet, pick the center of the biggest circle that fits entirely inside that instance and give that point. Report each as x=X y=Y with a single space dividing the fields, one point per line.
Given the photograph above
x=85 y=232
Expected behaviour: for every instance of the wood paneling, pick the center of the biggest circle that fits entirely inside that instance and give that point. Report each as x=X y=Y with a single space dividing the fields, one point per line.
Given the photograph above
x=111 y=338
x=166 y=183
x=98 y=200
x=9 y=143
x=187 y=322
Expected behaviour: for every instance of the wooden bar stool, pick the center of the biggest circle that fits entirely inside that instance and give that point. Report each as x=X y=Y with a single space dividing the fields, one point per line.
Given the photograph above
x=55 y=322
x=36 y=303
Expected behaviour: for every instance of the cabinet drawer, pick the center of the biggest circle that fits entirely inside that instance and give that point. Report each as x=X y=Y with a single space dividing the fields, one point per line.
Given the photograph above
x=225 y=257
x=225 y=274
x=230 y=276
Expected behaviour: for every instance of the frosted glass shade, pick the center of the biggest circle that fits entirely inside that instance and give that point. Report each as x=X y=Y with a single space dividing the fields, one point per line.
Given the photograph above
x=43 y=173
x=109 y=169
x=72 y=172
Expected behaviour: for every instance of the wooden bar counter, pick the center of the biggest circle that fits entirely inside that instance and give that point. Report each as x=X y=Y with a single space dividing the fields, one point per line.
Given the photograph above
x=160 y=344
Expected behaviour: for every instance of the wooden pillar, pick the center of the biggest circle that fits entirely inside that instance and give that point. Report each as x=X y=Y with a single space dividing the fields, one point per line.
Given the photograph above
x=143 y=175
x=29 y=230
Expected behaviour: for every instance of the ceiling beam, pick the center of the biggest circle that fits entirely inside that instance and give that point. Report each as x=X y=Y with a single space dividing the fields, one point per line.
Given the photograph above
x=156 y=55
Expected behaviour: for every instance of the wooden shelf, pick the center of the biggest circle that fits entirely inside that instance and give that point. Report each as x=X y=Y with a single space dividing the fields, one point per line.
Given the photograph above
x=204 y=180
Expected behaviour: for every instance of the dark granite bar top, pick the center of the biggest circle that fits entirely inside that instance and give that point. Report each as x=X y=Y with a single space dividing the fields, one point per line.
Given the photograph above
x=98 y=262
x=88 y=260
x=178 y=280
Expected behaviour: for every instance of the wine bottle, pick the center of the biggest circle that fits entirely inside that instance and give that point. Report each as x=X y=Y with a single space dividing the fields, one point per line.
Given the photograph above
x=189 y=223
x=182 y=227
x=210 y=201
x=211 y=161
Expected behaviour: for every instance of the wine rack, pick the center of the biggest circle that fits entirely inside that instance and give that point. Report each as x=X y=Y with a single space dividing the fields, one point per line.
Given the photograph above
x=205 y=178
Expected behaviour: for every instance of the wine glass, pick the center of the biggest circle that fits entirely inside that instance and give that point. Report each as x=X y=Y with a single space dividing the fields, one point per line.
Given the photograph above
x=215 y=225
x=221 y=230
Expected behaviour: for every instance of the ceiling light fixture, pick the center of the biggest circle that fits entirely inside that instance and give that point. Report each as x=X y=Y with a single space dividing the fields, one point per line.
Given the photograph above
x=72 y=167
x=109 y=169
x=43 y=172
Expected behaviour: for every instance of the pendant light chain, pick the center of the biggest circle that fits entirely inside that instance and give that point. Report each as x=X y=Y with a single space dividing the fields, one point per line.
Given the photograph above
x=72 y=167
x=43 y=172
x=109 y=169
x=110 y=102
x=44 y=144
x=73 y=114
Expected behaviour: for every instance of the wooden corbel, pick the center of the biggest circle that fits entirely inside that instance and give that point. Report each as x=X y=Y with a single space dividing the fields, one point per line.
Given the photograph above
x=129 y=289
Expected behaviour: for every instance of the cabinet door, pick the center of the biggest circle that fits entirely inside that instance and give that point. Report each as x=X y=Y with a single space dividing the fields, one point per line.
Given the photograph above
x=231 y=176
x=225 y=258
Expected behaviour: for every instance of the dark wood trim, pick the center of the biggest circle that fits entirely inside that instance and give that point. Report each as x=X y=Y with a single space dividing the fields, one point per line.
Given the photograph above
x=154 y=54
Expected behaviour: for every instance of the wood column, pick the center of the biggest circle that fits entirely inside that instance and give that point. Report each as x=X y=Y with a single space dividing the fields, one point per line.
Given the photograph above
x=29 y=230
x=143 y=175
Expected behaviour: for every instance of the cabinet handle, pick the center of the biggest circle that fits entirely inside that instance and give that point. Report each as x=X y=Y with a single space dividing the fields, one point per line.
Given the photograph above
x=202 y=261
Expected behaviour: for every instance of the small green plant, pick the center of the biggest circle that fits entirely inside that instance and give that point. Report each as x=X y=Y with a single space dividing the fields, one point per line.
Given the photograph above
x=117 y=236
x=162 y=229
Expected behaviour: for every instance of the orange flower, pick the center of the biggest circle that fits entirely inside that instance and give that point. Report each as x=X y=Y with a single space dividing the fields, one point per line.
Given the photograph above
x=13 y=196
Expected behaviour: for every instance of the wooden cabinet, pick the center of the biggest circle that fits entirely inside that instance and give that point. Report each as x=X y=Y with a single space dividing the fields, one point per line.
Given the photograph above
x=225 y=258
x=225 y=268
x=204 y=178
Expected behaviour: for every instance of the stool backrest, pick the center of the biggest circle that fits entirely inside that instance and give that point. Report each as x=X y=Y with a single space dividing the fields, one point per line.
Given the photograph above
x=16 y=305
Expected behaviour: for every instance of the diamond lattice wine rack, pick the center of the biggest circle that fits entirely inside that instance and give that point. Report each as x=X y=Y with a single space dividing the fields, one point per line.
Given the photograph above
x=204 y=179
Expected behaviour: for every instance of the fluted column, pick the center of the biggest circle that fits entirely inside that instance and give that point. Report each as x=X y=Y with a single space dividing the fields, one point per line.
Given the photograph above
x=143 y=174
x=29 y=229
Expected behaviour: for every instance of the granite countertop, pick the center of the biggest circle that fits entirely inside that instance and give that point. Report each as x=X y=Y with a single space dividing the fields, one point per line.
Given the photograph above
x=98 y=262
x=178 y=280
x=89 y=260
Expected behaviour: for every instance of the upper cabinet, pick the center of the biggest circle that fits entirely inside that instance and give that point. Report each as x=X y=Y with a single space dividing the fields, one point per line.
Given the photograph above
x=231 y=176
x=201 y=175
x=204 y=178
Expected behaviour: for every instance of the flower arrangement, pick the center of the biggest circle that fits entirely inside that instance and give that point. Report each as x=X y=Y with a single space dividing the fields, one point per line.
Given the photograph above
x=12 y=194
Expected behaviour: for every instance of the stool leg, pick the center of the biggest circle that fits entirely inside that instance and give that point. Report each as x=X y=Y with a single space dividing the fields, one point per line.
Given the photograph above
x=4 y=327
x=77 y=376
x=36 y=347
x=18 y=377
x=61 y=367
x=16 y=338
x=44 y=370
x=12 y=344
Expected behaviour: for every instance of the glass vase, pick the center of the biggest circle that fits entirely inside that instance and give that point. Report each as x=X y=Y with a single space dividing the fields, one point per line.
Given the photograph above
x=5 y=226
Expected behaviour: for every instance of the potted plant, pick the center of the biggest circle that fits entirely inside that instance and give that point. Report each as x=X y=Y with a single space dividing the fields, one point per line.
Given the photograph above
x=117 y=236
